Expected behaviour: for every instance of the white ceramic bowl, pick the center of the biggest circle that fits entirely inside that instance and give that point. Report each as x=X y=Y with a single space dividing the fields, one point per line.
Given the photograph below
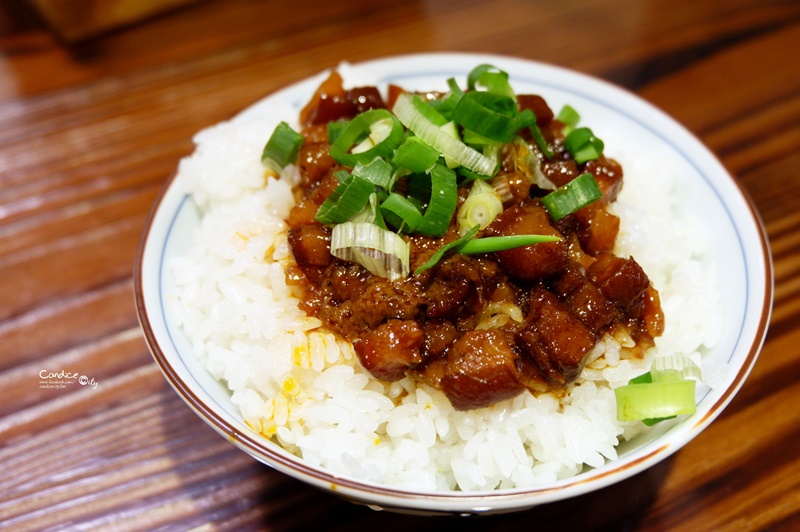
x=738 y=241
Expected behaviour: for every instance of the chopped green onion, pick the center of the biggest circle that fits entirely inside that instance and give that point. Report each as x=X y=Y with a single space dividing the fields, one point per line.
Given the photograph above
x=492 y=244
x=436 y=257
x=569 y=117
x=641 y=379
x=441 y=140
x=537 y=135
x=491 y=78
x=496 y=82
x=525 y=118
x=370 y=213
x=431 y=114
x=381 y=252
x=282 y=147
x=415 y=155
x=444 y=106
x=401 y=213
x=674 y=368
x=451 y=129
x=345 y=201
x=655 y=400
x=528 y=162
x=583 y=145
x=469 y=175
x=474 y=139
x=335 y=129
x=490 y=115
x=475 y=73
x=384 y=130
x=341 y=175
x=442 y=203
x=481 y=207
x=377 y=171
x=575 y=195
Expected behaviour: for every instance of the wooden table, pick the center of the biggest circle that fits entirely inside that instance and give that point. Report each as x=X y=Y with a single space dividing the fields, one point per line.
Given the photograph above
x=90 y=132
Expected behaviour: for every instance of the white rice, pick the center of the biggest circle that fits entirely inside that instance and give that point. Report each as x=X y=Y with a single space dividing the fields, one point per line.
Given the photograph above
x=304 y=388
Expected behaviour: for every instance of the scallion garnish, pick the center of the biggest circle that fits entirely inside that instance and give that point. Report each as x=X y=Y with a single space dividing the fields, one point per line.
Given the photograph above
x=664 y=392
x=674 y=367
x=443 y=141
x=442 y=203
x=490 y=115
x=444 y=106
x=575 y=195
x=384 y=130
x=341 y=175
x=345 y=201
x=569 y=117
x=431 y=114
x=372 y=149
x=655 y=401
x=491 y=78
x=335 y=129
x=415 y=155
x=583 y=145
x=536 y=133
x=381 y=252
x=492 y=244
x=469 y=245
x=401 y=213
x=282 y=147
x=436 y=257
x=371 y=213
x=481 y=207
x=377 y=171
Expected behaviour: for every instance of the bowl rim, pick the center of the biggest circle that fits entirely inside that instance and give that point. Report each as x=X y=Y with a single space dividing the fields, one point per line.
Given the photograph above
x=389 y=497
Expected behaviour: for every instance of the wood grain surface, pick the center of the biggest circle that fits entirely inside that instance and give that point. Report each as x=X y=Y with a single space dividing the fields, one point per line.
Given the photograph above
x=89 y=133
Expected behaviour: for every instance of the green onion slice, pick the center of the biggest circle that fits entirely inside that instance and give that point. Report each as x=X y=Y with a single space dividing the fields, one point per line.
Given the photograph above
x=492 y=244
x=441 y=140
x=381 y=252
x=467 y=244
x=401 y=213
x=442 y=203
x=431 y=114
x=643 y=378
x=415 y=155
x=674 y=368
x=335 y=129
x=536 y=133
x=576 y=194
x=383 y=131
x=527 y=161
x=345 y=201
x=583 y=145
x=569 y=117
x=497 y=83
x=370 y=213
x=377 y=171
x=444 y=106
x=655 y=400
x=491 y=78
x=282 y=147
x=480 y=208
x=488 y=114
x=436 y=257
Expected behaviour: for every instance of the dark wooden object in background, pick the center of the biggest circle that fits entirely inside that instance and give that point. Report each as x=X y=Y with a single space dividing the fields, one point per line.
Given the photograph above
x=89 y=133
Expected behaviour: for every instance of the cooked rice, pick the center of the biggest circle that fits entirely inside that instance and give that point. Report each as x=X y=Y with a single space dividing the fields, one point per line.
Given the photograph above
x=303 y=387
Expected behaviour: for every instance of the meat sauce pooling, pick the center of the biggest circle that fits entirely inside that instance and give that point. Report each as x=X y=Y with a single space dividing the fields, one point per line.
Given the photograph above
x=481 y=328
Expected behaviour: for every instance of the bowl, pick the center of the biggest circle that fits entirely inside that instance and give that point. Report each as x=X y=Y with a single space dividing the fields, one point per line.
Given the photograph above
x=707 y=190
